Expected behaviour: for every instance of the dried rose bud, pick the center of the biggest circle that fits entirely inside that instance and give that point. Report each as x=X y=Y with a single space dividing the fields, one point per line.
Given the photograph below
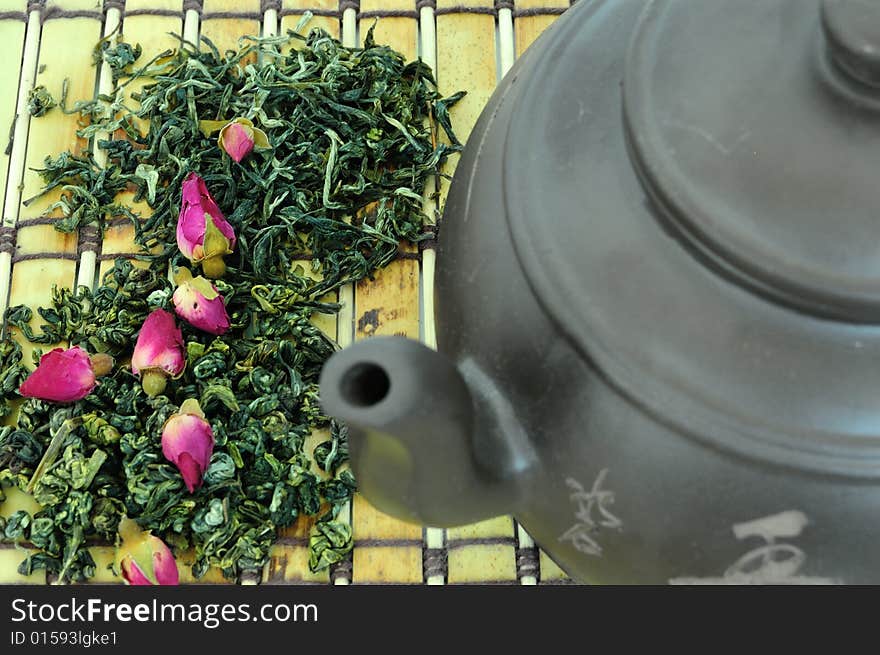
x=238 y=138
x=198 y=302
x=158 y=353
x=187 y=442
x=203 y=233
x=143 y=558
x=64 y=376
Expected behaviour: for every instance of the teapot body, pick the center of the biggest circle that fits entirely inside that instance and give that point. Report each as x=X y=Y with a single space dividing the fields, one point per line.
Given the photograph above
x=620 y=492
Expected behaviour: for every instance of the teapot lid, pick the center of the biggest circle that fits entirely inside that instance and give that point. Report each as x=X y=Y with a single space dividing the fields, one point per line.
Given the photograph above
x=702 y=212
x=755 y=128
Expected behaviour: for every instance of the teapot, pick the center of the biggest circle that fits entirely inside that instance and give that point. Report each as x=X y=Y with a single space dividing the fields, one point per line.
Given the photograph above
x=658 y=304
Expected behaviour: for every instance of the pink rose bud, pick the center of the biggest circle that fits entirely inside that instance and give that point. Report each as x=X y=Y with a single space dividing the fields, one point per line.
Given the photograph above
x=143 y=558
x=187 y=442
x=198 y=302
x=64 y=376
x=203 y=233
x=238 y=138
x=158 y=353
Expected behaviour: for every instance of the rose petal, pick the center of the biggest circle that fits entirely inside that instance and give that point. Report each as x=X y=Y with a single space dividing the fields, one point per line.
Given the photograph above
x=62 y=376
x=191 y=230
x=143 y=558
x=164 y=566
x=197 y=302
x=190 y=471
x=159 y=345
x=237 y=141
x=187 y=442
x=197 y=206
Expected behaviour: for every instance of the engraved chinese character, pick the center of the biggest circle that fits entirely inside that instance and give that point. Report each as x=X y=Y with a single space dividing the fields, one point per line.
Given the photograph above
x=592 y=515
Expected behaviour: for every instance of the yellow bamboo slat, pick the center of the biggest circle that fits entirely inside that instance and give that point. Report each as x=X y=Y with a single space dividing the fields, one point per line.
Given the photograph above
x=387 y=564
x=550 y=571
x=10 y=558
x=66 y=46
x=65 y=53
x=500 y=527
x=387 y=305
x=482 y=552
x=465 y=60
x=289 y=557
x=483 y=563
x=454 y=5
x=154 y=35
x=292 y=11
x=401 y=33
x=10 y=555
x=225 y=32
x=529 y=28
x=228 y=6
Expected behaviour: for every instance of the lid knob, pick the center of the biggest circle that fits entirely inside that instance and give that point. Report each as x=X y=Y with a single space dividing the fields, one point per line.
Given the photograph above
x=852 y=28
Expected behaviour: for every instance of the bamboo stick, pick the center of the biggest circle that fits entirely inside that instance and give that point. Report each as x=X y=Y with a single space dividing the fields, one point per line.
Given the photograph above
x=484 y=551
x=20 y=43
x=434 y=537
x=527 y=29
x=388 y=551
x=345 y=317
x=289 y=557
x=88 y=258
x=26 y=51
x=154 y=34
x=506 y=50
x=64 y=54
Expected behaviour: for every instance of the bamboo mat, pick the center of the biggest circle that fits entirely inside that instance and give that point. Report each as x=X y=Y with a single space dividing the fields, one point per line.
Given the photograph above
x=469 y=47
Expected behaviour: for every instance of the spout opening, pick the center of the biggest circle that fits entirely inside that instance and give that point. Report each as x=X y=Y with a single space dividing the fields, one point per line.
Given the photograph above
x=364 y=385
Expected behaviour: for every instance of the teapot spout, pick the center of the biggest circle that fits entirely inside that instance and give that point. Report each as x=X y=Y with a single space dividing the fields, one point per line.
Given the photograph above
x=411 y=419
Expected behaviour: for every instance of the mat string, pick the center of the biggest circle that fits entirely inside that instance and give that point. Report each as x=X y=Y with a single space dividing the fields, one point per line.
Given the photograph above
x=435 y=562
x=7 y=239
x=527 y=563
x=341 y=569
x=89 y=239
x=114 y=4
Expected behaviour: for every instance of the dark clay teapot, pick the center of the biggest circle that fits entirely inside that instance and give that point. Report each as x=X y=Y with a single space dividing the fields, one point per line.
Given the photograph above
x=658 y=296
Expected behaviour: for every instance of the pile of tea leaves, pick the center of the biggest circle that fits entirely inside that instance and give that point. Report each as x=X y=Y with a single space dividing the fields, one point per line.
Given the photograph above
x=354 y=136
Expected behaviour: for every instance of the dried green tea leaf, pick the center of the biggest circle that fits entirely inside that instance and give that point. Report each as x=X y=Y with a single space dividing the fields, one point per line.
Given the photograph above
x=40 y=101
x=352 y=134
